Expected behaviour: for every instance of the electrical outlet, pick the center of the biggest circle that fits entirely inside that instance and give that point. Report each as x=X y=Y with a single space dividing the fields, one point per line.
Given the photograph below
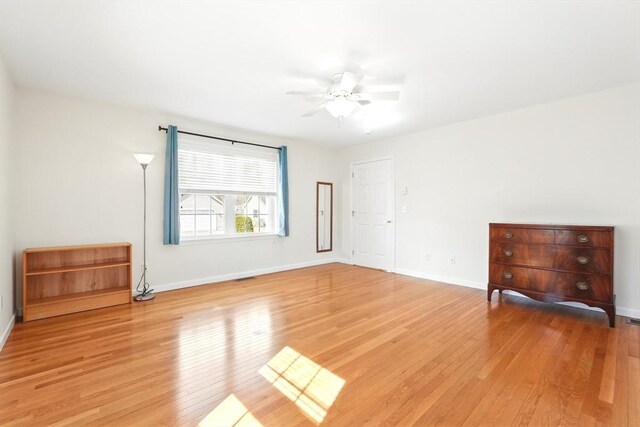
x=426 y=257
x=452 y=259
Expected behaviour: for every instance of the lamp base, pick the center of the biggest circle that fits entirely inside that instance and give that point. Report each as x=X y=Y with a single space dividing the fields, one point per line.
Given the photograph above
x=144 y=297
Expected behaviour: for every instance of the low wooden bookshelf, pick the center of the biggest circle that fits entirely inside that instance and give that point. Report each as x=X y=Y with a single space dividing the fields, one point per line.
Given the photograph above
x=67 y=279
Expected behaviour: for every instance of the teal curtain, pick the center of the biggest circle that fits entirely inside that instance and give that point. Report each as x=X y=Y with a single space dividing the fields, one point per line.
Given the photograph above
x=283 y=198
x=171 y=196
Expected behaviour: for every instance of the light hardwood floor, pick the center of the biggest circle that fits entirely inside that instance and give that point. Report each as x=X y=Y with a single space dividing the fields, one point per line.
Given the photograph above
x=335 y=344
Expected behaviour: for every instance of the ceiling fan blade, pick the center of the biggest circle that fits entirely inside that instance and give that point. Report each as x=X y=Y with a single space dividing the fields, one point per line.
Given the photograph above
x=303 y=77
x=316 y=110
x=349 y=81
x=380 y=96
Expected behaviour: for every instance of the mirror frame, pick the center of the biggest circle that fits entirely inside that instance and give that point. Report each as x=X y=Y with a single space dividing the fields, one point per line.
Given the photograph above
x=318 y=250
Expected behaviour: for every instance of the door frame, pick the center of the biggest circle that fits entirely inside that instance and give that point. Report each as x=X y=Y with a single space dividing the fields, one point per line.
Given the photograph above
x=393 y=203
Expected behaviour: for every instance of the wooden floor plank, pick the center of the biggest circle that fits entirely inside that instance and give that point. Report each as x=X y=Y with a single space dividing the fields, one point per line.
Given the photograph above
x=409 y=351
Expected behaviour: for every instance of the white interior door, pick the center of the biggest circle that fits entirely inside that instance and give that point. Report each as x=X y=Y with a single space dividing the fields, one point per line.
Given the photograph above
x=373 y=214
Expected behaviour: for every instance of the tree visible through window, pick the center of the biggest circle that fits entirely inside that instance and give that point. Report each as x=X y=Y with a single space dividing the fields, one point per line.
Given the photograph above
x=254 y=213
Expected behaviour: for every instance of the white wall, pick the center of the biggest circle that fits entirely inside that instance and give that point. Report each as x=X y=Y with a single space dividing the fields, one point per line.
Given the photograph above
x=77 y=183
x=6 y=208
x=571 y=161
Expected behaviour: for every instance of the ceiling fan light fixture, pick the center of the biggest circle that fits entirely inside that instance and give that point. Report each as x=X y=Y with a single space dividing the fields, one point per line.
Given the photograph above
x=345 y=98
x=340 y=107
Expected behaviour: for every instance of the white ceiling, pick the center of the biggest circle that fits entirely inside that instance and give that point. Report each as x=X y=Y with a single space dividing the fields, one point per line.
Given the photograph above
x=232 y=62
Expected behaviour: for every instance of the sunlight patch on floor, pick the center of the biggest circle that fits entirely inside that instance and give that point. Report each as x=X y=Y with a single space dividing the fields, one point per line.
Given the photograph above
x=230 y=412
x=310 y=386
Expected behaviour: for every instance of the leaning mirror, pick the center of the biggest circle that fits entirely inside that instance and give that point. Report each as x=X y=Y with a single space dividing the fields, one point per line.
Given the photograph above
x=324 y=217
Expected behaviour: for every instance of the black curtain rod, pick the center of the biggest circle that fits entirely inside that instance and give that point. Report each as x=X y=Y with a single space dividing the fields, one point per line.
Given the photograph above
x=232 y=141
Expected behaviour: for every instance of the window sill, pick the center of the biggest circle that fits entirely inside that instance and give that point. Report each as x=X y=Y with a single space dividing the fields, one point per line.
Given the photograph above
x=237 y=238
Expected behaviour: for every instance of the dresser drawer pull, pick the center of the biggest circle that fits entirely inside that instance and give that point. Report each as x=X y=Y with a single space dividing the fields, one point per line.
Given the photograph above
x=583 y=286
x=508 y=253
x=583 y=238
x=508 y=275
x=583 y=260
x=508 y=235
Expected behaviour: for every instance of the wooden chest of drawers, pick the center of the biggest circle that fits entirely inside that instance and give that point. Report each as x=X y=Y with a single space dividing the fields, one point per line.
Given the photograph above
x=554 y=263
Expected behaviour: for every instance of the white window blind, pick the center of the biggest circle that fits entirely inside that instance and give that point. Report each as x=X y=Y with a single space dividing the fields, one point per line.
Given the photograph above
x=210 y=167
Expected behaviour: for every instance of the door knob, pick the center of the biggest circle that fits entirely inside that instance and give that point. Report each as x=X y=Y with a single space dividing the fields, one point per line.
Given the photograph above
x=388 y=221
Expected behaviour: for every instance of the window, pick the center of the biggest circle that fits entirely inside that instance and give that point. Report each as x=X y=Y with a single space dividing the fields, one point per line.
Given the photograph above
x=226 y=191
x=257 y=213
x=201 y=214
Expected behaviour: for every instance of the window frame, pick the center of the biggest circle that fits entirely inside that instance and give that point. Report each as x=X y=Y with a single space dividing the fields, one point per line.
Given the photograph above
x=229 y=215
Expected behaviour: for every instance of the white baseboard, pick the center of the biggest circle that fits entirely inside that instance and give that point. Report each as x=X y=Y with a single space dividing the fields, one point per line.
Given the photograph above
x=239 y=275
x=7 y=331
x=628 y=312
x=443 y=279
x=621 y=311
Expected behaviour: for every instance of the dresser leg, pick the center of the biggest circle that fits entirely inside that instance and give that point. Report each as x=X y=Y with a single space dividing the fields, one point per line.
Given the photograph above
x=611 y=312
x=489 y=291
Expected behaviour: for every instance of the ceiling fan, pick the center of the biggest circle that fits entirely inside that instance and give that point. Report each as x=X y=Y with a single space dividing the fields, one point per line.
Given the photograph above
x=342 y=97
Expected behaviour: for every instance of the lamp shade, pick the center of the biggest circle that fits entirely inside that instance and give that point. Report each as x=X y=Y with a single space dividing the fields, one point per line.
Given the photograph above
x=340 y=107
x=143 y=159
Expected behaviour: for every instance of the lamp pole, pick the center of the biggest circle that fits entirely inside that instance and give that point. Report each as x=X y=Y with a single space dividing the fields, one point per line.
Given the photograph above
x=145 y=293
x=144 y=227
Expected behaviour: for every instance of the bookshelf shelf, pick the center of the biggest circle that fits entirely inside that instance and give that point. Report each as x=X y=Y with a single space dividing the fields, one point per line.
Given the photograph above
x=76 y=268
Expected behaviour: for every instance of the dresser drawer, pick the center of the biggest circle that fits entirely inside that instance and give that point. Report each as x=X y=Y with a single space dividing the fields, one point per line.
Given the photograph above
x=579 y=286
x=579 y=260
x=521 y=235
x=600 y=239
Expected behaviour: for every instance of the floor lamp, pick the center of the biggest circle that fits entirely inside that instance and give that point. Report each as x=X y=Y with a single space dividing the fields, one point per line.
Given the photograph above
x=143 y=289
